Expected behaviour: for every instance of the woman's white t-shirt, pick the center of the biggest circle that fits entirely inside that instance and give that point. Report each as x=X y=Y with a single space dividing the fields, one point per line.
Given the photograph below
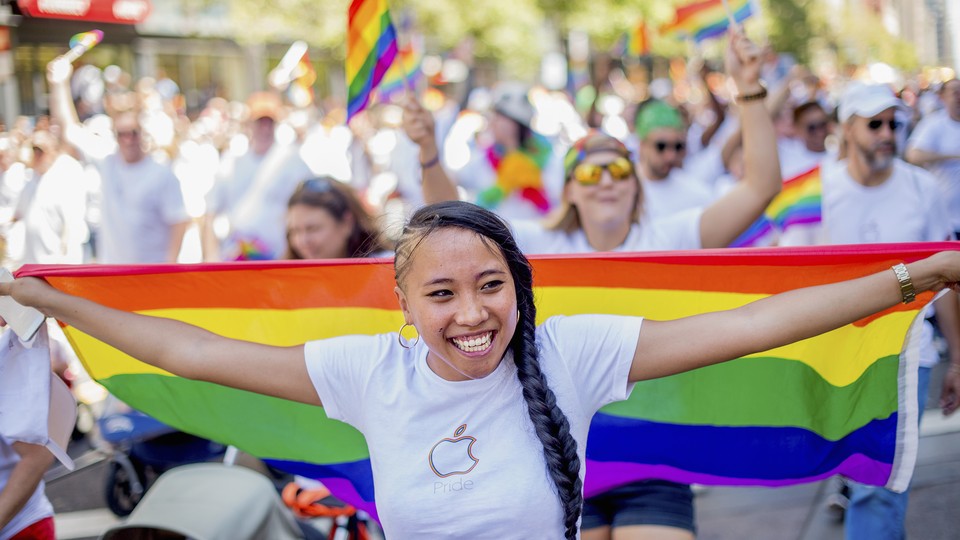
x=677 y=231
x=460 y=459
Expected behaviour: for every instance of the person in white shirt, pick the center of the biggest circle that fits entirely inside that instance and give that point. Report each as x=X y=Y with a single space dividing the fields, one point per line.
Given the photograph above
x=52 y=205
x=872 y=196
x=807 y=149
x=252 y=190
x=668 y=188
x=143 y=216
x=935 y=144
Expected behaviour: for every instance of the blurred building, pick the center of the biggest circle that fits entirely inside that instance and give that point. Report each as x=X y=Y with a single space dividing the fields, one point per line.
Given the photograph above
x=931 y=26
x=190 y=43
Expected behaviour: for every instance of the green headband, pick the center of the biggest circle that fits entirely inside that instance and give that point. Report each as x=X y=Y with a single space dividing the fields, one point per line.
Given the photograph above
x=655 y=115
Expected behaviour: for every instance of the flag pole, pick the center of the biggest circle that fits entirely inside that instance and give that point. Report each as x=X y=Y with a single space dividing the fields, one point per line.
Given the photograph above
x=732 y=20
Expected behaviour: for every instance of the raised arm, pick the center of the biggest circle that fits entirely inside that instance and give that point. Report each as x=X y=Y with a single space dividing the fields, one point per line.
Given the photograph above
x=665 y=347
x=61 y=102
x=182 y=349
x=419 y=126
x=724 y=220
x=948 y=320
x=926 y=158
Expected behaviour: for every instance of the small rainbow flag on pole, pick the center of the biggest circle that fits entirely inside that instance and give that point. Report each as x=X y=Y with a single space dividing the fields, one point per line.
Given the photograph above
x=371 y=49
x=638 y=40
x=840 y=403
x=797 y=204
x=705 y=19
x=405 y=70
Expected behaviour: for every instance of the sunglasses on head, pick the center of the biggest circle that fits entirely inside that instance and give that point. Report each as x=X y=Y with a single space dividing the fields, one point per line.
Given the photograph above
x=589 y=174
x=316 y=185
x=876 y=124
x=662 y=146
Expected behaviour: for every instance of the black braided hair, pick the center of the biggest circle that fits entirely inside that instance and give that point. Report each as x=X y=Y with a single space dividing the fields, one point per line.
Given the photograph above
x=550 y=423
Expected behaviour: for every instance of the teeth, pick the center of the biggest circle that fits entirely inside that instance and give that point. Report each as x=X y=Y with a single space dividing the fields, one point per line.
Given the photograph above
x=474 y=344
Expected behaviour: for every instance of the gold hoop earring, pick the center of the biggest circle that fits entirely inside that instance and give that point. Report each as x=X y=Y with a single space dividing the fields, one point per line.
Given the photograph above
x=404 y=343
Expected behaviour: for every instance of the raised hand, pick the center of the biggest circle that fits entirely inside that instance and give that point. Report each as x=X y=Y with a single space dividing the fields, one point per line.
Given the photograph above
x=743 y=61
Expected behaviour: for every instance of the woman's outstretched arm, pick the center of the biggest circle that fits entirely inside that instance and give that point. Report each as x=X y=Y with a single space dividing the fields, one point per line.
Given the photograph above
x=669 y=347
x=182 y=349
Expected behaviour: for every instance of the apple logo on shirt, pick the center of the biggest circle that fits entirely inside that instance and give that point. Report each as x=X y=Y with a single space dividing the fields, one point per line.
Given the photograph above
x=453 y=455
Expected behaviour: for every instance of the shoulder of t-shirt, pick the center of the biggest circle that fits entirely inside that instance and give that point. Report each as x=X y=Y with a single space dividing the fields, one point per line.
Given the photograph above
x=919 y=174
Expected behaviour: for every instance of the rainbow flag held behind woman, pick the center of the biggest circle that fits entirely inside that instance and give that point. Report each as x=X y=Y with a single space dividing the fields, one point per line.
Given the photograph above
x=823 y=406
x=705 y=19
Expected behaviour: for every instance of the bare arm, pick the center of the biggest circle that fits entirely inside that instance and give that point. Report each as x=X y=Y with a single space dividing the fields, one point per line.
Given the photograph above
x=177 y=230
x=924 y=158
x=24 y=479
x=180 y=348
x=948 y=320
x=665 y=348
x=724 y=220
x=62 y=109
x=418 y=125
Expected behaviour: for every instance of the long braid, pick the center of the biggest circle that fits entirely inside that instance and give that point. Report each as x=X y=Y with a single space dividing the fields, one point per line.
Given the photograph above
x=549 y=421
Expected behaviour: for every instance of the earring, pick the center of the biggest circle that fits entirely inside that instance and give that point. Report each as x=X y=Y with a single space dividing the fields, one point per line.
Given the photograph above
x=404 y=343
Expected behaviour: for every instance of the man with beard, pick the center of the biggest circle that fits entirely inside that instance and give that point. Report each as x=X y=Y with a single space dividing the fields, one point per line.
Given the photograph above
x=871 y=196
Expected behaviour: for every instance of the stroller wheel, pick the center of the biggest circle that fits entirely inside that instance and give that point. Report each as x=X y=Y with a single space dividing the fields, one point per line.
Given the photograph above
x=120 y=494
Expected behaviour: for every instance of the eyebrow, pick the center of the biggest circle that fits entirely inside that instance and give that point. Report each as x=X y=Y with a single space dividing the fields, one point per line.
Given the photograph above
x=481 y=275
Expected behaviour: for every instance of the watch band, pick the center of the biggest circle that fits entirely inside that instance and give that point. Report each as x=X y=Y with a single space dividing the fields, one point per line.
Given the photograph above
x=907 y=292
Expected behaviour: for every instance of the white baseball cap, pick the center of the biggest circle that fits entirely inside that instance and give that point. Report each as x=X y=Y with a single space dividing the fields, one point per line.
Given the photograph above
x=510 y=99
x=866 y=101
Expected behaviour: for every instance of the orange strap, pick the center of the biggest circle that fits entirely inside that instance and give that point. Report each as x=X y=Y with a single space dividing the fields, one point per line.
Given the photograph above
x=306 y=502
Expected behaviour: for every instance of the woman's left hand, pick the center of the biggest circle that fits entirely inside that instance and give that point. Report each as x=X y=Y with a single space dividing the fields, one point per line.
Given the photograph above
x=743 y=60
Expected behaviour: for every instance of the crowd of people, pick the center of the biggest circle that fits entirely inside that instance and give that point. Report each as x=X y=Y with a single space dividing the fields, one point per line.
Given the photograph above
x=259 y=180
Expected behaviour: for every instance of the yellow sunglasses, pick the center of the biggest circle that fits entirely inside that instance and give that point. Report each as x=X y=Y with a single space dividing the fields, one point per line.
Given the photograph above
x=589 y=174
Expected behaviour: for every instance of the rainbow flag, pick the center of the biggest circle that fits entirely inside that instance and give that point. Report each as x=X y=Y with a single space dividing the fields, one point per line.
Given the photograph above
x=638 y=40
x=405 y=71
x=797 y=204
x=823 y=406
x=371 y=48
x=705 y=19
x=300 y=91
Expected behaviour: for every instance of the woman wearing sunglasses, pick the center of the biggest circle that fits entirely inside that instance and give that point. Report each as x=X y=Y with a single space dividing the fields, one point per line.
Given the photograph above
x=604 y=208
x=326 y=220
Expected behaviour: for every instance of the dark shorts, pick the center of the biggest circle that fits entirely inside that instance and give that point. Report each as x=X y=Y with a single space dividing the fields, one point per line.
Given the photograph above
x=649 y=502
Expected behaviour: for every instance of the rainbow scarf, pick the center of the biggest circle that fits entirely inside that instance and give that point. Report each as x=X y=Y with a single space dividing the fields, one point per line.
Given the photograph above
x=371 y=48
x=705 y=19
x=826 y=405
x=520 y=172
x=798 y=204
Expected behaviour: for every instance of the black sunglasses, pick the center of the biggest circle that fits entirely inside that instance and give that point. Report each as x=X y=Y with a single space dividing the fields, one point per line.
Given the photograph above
x=662 y=146
x=816 y=127
x=876 y=124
